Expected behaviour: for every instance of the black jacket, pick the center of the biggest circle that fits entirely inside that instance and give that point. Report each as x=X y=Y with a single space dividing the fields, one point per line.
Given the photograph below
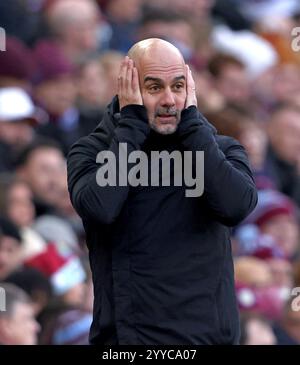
x=161 y=262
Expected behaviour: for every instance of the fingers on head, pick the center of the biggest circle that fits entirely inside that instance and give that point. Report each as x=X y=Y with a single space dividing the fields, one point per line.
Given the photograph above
x=129 y=72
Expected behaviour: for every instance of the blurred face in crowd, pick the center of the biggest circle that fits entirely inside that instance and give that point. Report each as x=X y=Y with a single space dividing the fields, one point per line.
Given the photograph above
x=43 y=171
x=233 y=84
x=286 y=82
x=20 y=327
x=20 y=207
x=16 y=133
x=284 y=229
x=10 y=256
x=75 y=24
x=259 y=332
x=163 y=87
x=92 y=84
x=254 y=139
x=57 y=95
x=284 y=132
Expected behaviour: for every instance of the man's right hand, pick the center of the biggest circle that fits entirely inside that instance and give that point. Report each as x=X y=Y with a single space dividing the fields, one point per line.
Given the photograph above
x=128 y=84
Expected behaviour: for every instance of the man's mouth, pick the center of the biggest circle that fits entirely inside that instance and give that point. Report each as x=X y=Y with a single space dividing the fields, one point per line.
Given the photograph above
x=166 y=118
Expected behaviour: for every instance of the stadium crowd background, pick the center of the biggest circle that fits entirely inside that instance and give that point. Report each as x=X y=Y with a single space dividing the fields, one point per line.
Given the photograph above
x=58 y=73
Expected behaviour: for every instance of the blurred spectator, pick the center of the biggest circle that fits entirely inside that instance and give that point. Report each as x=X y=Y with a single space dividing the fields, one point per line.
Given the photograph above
x=231 y=78
x=16 y=65
x=253 y=51
x=208 y=97
x=59 y=231
x=66 y=274
x=123 y=17
x=284 y=151
x=35 y=284
x=11 y=248
x=55 y=91
x=256 y=330
x=75 y=25
x=277 y=31
x=277 y=216
x=18 y=115
x=256 y=289
x=65 y=325
x=240 y=124
x=287 y=329
x=42 y=164
x=91 y=79
x=17 y=323
x=16 y=201
x=92 y=85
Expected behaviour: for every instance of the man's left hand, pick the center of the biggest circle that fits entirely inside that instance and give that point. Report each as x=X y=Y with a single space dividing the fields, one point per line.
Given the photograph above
x=191 y=98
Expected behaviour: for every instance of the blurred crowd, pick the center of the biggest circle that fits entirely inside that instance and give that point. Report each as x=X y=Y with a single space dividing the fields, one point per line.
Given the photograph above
x=57 y=75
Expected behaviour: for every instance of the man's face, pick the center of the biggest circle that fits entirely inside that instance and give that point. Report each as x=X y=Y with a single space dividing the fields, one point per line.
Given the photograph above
x=43 y=173
x=57 y=95
x=163 y=88
x=233 y=83
x=21 y=326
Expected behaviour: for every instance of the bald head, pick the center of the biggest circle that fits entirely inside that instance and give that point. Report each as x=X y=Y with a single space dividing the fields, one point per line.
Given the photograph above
x=154 y=48
x=65 y=12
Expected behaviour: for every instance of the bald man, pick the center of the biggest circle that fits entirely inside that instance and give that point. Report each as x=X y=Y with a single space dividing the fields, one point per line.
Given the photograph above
x=160 y=253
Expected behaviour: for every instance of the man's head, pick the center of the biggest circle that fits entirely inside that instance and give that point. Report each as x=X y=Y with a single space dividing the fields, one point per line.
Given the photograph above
x=230 y=78
x=17 y=323
x=162 y=78
x=41 y=164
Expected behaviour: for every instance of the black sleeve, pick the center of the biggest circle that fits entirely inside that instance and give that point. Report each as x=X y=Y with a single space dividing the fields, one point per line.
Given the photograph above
x=91 y=201
x=229 y=188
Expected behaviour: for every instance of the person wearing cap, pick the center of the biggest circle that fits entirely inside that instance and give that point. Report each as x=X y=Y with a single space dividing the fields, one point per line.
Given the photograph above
x=16 y=65
x=161 y=260
x=18 y=116
x=276 y=216
x=55 y=91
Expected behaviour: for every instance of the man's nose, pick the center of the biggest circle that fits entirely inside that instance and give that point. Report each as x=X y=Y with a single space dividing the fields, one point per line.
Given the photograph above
x=168 y=98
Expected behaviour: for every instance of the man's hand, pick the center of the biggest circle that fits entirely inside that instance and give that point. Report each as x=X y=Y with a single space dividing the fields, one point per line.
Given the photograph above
x=191 y=98
x=128 y=84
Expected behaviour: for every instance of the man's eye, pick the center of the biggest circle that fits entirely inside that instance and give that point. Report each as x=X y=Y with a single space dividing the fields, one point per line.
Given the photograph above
x=178 y=86
x=154 y=88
